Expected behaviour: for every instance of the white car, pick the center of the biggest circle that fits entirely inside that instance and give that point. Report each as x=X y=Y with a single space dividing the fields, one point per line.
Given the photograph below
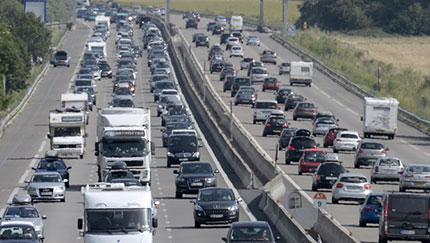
x=351 y=187
x=244 y=64
x=232 y=41
x=253 y=40
x=346 y=140
x=387 y=169
x=285 y=67
x=322 y=125
x=236 y=51
x=258 y=74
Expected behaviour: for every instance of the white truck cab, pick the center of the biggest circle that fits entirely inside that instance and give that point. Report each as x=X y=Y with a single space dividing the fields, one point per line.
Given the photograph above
x=116 y=213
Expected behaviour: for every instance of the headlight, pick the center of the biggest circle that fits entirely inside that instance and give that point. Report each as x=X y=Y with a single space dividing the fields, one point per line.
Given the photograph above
x=32 y=189
x=109 y=72
x=196 y=154
x=198 y=208
x=233 y=208
x=210 y=180
x=37 y=227
x=165 y=134
x=181 y=179
x=160 y=107
x=170 y=154
x=58 y=189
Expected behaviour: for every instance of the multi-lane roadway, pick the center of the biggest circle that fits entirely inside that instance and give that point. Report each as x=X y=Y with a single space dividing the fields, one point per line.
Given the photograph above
x=410 y=145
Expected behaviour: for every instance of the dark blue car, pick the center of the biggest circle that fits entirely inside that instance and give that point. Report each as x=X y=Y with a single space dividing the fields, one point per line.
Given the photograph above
x=370 y=211
x=56 y=165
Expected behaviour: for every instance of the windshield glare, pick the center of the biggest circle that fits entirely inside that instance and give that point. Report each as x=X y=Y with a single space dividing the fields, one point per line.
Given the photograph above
x=123 y=220
x=124 y=148
x=250 y=234
x=215 y=195
x=18 y=232
x=67 y=131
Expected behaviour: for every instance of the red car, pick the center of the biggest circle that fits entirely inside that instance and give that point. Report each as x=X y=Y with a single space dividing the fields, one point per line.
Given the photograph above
x=311 y=159
x=331 y=135
x=270 y=84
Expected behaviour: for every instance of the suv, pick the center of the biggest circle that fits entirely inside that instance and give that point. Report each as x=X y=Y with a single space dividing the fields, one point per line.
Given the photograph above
x=184 y=147
x=326 y=175
x=296 y=147
x=191 y=23
x=193 y=176
x=238 y=82
x=404 y=216
x=202 y=40
x=368 y=151
x=263 y=109
x=285 y=67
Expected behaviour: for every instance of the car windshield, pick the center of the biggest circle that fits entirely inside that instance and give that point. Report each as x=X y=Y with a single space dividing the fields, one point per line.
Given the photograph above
x=67 y=131
x=183 y=141
x=258 y=71
x=124 y=148
x=118 y=220
x=349 y=135
x=402 y=209
x=46 y=178
x=18 y=232
x=51 y=165
x=122 y=92
x=389 y=162
x=353 y=179
x=326 y=121
x=118 y=174
x=196 y=168
x=418 y=169
x=315 y=157
x=331 y=168
x=21 y=212
x=372 y=146
x=219 y=194
x=250 y=234
x=266 y=105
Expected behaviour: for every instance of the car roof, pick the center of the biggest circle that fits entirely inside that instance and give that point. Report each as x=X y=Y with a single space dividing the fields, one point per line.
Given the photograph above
x=194 y=162
x=267 y=101
x=371 y=141
x=249 y=223
x=353 y=174
x=46 y=173
x=314 y=150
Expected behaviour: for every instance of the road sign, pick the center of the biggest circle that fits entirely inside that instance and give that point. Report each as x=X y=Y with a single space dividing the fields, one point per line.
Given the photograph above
x=320 y=200
x=291 y=30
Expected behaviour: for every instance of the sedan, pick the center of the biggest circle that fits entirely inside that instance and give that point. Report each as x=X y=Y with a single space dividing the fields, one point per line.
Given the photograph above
x=274 y=125
x=370 y=210
x=236 y=51
x=368 y=151
x=253 y=41
x=285 y=137
x=292 y=100
x=416 y=176
x=47 y=186
x=258 y=74
x=270 y=83
x=226 y=71
x=282 y=94
x=215 y=205
x=305 y=110
x=387 y=169
x=285 y=67
x=193 y=176
x=244 y=96
x=346 y=140
x=322 y=125
x=228 y=81
x=351 y=187
x=327 y=174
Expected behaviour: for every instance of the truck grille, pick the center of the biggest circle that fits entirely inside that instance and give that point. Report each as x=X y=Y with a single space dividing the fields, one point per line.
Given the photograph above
x=134 y=163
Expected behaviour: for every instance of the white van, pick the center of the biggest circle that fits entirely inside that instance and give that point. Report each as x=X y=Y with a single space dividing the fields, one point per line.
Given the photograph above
x=236 y=23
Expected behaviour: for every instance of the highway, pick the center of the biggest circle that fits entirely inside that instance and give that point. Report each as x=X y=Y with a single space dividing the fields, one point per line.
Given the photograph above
x=409 y=145
x=25 y=141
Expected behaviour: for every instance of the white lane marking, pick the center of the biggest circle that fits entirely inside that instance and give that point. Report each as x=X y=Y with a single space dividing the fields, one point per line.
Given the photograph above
x=42 y=146
x=33 y=161
x=426 y=153
x=22 y=179
x=15 y=191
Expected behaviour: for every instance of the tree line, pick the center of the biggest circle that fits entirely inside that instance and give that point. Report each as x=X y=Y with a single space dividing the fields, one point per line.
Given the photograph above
x=23 y=39
x=410 y=17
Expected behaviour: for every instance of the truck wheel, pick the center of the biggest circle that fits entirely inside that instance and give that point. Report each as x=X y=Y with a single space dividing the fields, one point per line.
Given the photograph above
x=291 y=84
x=382 y=239
x=81 y=156
x=310 y=85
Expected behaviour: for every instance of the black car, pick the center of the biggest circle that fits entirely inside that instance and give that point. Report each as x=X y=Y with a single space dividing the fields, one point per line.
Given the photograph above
x=237 y=82
x=228 y=81
x=210 y=26
x=250 y=231
x=216 y=66
x=404 y=216
x=282 y=94
x=215 y=205
x=106 y=69
x=202 y=41
x=214 y=49
x=226 y=71
x=286 y=135
x=182 y=147
x=218 y=30
x=274 y=125
x=192 y=23
x=224 y=37
x=172 y=126
x=143 y=20
x=193 y=176
x=292 y=100
x=326 y=175
x=195 y=35
x=296 y=147
x=52 y=163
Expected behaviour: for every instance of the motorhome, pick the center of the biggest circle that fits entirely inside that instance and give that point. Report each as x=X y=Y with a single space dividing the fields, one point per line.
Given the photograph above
x=380 y=117
x=77 y=102
x=98 y=48
x=103 y=20
x=125 y=134
x=301 y=73
x=236 y=23
x=116 y=213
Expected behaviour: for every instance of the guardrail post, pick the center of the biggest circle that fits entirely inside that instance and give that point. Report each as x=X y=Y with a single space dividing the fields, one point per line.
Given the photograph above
x=231 y=121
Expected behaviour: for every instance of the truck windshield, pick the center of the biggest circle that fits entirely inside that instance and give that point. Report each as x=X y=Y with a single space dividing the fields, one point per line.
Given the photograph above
x=123 y=220
x=67 y=131
x=124 y=148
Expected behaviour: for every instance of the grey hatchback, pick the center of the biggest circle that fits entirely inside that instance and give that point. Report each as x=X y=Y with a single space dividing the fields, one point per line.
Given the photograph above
x=250 y=231
x=305 y=110
x=368 y=151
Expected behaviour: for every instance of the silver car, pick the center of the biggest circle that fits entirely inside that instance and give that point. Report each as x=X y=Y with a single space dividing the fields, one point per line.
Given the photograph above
x=47 y=186
x=346 y=140
x=253 y=40
x=25 y=212
x=386 y=169
x=368 y=151
x=245 y=96
x=244 y=64
x=258 y=74
x=351 y=187
x=416 y=176
x=322 y=125
x=285 y=67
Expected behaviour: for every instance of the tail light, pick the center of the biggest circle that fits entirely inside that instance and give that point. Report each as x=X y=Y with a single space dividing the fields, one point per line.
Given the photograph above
x=339 y=185
x=367 y=186
x=386 y=212
x=367 y=207
x=358 y=140
x=402 y=170
x=317 y=125
x=360 y=151
x=282 y=138
x=291 y=147
x=338 y=139
x=383 y=151
x=285 y=126
x=268 y=125
x=318 y=177
x=298 y=109
x=409 y=175
x=376 y=169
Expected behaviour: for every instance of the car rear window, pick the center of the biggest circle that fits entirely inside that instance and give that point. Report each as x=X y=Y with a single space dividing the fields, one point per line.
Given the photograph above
x=353 y=179
x=307 y=105
x=400 y=208
x=389 y=162
x=242 y=81
x=270 y=80
x=331 y=168
x=266 y=105
x=372 y=146
x=348 y=135
x=418 y=169
x=315 y=157
x=326 y=121
x=304 y=142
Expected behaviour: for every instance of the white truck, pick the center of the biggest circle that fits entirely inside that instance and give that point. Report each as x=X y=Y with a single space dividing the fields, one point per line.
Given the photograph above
x=97 y=47
x=102 y=20
x=236 y=23
x=380 y=117
x=67 y=132
x=115 y=213
x=301 y=73
x=125 y=134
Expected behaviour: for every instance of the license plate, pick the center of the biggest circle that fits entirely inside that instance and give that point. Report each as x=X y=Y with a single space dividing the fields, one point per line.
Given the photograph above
x=331 y=178
x=183 y=159
x=380 y=130
x=196 y=184
x=277 y=131
x=216 y=216
x=419 y=183
x=407 y=232
x=46 y=193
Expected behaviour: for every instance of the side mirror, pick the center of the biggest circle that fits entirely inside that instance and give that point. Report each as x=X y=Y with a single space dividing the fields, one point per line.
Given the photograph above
x=337 y=120
x=239 y=199
x=161 y=130
x=152 y=148
x=361 y=118
x=193 y=201
x=69 y=167
x=154 y=222
x=175 y=172
x=224 y=239
x=44 y=217
x=33 y=168
x=49 y=136
x=387 y=149
x=65 y=180
x=26 y=181
x=277 y=238
x=80 y=224
x=216 y=171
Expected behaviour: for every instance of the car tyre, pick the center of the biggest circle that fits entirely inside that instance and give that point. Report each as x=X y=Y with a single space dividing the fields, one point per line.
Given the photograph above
x=63 y=199
x=310 y=85
x=356 y=165
x=325 y=145
x=334 y=150
x=178 y=195
x=197 y=224
x=291 y=84
x=294 y=118
x=168 y=164
x=362 y=223
x=334 y=200
x=254 y=121
x=382 y=239
x=402 y=189
x=287 y=161
x=300 y=172
x=81 y=156
x=264 y=134
x=314 y=188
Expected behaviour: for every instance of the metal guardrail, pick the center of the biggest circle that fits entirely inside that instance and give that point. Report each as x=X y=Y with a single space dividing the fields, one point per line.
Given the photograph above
x=404 y=115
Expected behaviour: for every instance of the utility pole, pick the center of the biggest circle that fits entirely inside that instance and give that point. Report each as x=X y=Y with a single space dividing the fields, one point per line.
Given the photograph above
x=285 y=17
x=261 y=25
x=167 y=17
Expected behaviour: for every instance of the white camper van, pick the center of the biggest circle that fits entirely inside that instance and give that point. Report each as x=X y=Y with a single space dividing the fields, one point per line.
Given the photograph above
x=380 y=117
x=301 y=73
x=236 y=23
